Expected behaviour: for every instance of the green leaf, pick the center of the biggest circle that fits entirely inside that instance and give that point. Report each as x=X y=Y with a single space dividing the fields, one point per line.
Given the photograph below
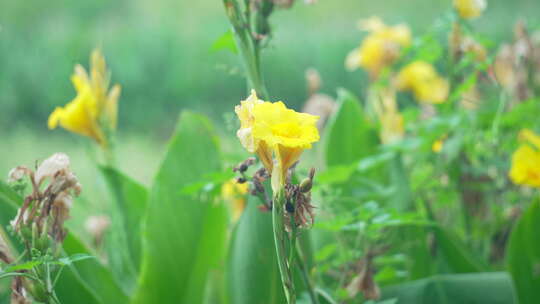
x=74 y=258
x=349 y=135
x=225 y=42
x=9 y=202
x=253 y=274
x=478 y=288
x=123 y=240
x=524 y=255
x=23 y=266
x=454 y=253
x=401 y=199
x=184 y=236
x=87 y=276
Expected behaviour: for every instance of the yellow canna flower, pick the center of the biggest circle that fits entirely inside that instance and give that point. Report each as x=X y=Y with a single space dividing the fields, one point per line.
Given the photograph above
x=235 y=194
x=470 y=9
x=380 y=48
x=94 y=110
x=525 y=168
x=422 y=79
x=271 y=129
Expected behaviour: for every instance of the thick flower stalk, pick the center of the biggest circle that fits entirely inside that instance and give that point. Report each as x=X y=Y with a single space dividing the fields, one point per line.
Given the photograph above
x=278 y=136
x=380 y=48
x=525 y=168
x=424 y=82
x=470 y=9
x=93 y=112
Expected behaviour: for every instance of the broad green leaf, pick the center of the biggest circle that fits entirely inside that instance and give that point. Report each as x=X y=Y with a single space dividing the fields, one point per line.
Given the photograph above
x=524 y=255
x=415 y=243
x=349 y=136
x=225 y=42
x=184 y=235
x=87 y=276
x=123 y=240
x=478 y=288
x=454 y=253
x=401 y=199
x=252 y=258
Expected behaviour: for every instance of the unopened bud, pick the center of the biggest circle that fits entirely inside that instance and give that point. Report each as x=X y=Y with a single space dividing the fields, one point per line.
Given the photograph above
x=305 y=185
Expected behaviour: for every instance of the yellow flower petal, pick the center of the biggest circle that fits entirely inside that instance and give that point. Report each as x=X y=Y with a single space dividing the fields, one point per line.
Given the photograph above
x=245 y=115
x=525 y=168
x=469 y=9
x=78 y=116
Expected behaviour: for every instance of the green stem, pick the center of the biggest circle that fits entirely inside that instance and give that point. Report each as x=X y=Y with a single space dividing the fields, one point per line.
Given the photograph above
x=496 y=121
x=247 y=44
x=249 y=52
x=280 y=241
x=305 y=275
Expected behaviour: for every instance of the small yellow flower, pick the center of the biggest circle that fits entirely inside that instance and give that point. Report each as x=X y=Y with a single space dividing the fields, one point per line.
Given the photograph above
x=271 y=129
x=380 y=48
x=470 y=9
x=235 y=194
x=94 y=108
x=525 y=168
x=422 y=79
x=437 y=146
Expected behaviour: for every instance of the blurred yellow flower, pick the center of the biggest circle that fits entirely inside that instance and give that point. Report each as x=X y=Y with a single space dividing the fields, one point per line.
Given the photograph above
x=392 y=123
x=422 y=79
x=380 y=48
x=469 y=9
x=234 y=193
x=94 y=108
x=437 y=146
x=271 y=129
x=525 y=168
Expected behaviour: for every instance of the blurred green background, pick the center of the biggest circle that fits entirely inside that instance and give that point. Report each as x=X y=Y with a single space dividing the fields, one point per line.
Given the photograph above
x=159 y=51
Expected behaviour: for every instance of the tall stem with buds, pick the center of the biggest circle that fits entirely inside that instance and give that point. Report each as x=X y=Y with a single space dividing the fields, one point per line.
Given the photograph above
x=248 y=42
x=291 y=208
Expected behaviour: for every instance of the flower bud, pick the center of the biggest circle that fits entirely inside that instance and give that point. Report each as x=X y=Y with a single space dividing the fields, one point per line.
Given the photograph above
x=305 y=185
